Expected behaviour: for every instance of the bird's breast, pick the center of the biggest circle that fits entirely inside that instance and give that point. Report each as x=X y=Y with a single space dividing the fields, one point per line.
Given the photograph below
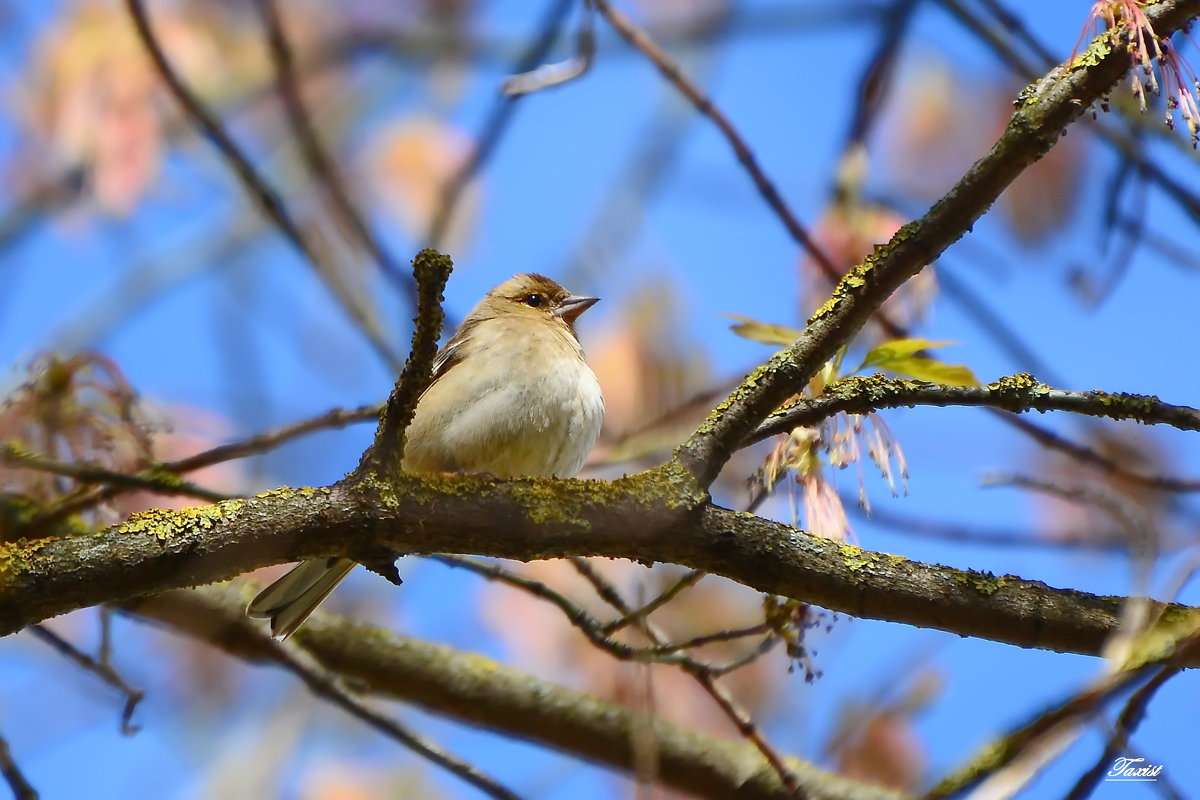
x=525 y=405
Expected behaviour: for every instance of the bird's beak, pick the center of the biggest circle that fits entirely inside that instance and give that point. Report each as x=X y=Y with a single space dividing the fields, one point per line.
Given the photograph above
x=573 y=305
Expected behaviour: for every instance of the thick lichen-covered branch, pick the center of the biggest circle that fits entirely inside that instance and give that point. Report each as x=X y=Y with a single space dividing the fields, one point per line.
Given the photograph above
x=659 y=515
x=480 y=692
x=1044 y=111
x=1016 y=393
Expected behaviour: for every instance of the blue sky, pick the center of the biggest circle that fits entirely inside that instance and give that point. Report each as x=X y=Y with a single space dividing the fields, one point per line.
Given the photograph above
x=708 y=230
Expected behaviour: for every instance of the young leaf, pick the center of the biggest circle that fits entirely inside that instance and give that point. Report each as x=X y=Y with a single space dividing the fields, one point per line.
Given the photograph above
x=762 y=331
x=927 y=369
x=898 y=348
x=898 y=356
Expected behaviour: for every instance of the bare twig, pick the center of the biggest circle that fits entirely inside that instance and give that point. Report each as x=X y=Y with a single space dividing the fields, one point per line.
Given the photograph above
x=100 y=669
x=641 y=40
x=264 y=442
x=16 y=780
x=687 y=580
x=496 y=124
x=1131 y=716
x=979 y=535
x=712 y=638
x=1016 y=393
x=856 y=396
x=879 y=70
x=150 y=481
x=261 y=443
x=546 y=75
x=1087 y=455
x=329 y=686
x=319 y=161
x=702 y=674
x=268 y=200
x=431 y=270
x=1082 y=705
x=579 y=617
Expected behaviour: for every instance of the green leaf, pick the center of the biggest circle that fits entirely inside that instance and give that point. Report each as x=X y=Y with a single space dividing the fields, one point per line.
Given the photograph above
x=898 y=348
x=897 y=356
x=927 y=369
x=762 y=331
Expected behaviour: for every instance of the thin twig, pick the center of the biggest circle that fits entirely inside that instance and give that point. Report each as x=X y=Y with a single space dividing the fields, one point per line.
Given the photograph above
x=150 y=481
x=260 y=443
x=879 y=71
x=319 y=161
x=688 y=579
x=641 y=40
x=579 y=617
x=1087 y=455
x=1016 y=393
x=17 y=782
x=575 y=613
x=496 y=124
x=100 y=669
x=268 y=200
x=263 y=442
x=704 y=675
x=327 y=685
x=1131 y=716
x=1082 y=539
x=998 y=755
x=608 y=593
x=546 y=75
x=712 y=638
x=431 y=270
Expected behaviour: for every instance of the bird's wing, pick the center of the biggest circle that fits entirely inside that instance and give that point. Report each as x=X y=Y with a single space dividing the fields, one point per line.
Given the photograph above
x=451 y=353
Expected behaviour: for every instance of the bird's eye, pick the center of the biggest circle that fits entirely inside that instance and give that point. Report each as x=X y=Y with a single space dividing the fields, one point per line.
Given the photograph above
x=534 y=300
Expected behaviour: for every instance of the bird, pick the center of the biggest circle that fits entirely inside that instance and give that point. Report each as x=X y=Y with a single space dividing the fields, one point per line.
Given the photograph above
x=511 y=396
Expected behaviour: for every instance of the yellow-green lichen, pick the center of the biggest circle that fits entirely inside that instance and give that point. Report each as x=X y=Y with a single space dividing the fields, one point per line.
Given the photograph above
x=543 y=500
x=748 y=385
x=1020 y=383
x=1128 y=406
x=985 y=583
x=860 y=274
x=1100 y=48
x=17 y=556
x=165 y=524
x=670 y=485
x=856 y=559
x=288 y=492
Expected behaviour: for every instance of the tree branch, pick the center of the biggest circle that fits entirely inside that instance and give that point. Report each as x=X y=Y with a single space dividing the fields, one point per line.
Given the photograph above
x=657 y=515
x=157 y=481
x=1016 y=393
x=480 y=692
x=1044 y=111
x=431 y=270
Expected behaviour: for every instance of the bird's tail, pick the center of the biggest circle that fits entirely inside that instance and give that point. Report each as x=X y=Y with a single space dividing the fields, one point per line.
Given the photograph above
x=288 y=601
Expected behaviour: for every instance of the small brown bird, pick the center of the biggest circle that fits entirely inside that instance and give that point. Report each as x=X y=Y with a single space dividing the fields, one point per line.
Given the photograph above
x=511 y=395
